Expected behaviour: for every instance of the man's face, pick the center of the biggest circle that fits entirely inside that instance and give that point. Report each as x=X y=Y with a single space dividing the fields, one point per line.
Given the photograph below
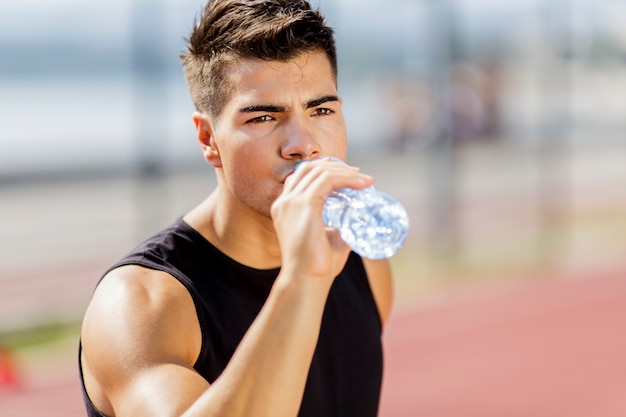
x=279 y=113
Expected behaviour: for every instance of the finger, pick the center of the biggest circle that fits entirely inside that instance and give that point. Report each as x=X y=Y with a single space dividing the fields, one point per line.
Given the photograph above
x=324 y=176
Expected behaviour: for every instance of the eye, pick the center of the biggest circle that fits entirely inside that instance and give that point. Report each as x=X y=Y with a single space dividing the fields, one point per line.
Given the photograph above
x=261 y=119
x=322 y=111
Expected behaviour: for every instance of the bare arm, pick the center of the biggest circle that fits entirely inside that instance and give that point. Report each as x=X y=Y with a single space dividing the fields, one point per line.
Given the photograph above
x=141 y=335
x=381 y=283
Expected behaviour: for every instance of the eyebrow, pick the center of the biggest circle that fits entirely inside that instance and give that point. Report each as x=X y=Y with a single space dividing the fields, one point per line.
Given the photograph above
x=272 y=108
x=320 y=101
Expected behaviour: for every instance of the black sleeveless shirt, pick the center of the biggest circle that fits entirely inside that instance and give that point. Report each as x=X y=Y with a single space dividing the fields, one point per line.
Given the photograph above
x=346 y=371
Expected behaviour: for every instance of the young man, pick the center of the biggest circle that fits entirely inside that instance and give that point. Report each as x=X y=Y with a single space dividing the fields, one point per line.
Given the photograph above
x=248 y=305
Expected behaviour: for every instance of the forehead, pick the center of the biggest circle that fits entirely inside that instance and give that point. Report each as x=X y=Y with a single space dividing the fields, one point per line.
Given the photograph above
x=307 y=74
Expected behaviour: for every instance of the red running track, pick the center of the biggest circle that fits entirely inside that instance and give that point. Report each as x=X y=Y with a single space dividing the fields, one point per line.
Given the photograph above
x=555 y=348
x=551 y=349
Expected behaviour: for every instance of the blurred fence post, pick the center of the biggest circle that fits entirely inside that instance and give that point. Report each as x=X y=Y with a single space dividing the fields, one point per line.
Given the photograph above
x=553 y=150
x=149 y=67
x=441 y=153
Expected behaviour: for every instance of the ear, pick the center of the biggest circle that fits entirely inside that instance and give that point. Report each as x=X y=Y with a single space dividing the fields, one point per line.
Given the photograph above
x=206 y=139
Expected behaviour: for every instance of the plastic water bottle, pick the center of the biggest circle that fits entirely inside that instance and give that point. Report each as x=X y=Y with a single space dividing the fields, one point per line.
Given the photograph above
x=373 y=224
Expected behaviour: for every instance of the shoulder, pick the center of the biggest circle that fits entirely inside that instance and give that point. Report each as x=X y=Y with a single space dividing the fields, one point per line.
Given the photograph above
x=139 y=330
x=381 y=282
x=139 y=289
x=138 y=314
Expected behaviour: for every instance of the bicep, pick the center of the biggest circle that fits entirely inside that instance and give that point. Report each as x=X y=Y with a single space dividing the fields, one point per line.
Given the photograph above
x=381 y=283
x=140 y=339
x=160 y=389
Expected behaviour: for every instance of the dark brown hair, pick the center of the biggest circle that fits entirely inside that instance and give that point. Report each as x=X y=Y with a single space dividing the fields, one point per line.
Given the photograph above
x=238 y=29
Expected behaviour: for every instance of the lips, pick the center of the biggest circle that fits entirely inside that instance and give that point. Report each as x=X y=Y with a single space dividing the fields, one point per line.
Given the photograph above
x=287 y=175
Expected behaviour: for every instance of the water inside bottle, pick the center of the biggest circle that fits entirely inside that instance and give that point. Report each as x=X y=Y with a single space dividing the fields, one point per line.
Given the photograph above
x=373 y=224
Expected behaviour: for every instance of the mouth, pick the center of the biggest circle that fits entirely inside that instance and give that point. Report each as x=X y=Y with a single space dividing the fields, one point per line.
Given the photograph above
x=289 y=173
x=287 y=176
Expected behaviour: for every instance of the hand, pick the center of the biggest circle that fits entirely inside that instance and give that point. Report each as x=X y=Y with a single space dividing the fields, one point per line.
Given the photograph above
x=308 y=247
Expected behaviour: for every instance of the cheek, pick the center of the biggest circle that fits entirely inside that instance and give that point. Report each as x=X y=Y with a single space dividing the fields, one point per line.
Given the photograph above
x=249 y=177
x=335 y=141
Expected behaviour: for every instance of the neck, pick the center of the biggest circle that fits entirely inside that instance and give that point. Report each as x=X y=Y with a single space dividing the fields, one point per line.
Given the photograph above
x=242 y=234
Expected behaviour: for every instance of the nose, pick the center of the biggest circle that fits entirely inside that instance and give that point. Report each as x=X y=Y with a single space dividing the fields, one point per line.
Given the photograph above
x=300 y=142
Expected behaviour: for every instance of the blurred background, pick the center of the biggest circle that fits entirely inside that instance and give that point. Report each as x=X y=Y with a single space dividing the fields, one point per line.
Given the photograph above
x=500 y=125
